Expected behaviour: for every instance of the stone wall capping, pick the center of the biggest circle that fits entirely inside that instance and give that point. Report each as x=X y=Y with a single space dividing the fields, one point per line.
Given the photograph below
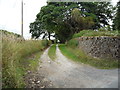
x=100 y=36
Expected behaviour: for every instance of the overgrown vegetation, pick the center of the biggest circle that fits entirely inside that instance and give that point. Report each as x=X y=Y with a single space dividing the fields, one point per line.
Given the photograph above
x=72 y=52
x=52 y=52
x=96 y=33
x=30 y=63
x=14 y=53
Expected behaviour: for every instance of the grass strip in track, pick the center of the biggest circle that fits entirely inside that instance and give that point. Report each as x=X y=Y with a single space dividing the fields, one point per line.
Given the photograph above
x=77 y=55
x=52 y=52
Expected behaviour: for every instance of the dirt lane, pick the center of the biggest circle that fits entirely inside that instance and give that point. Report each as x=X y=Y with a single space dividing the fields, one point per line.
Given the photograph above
x=65 y=73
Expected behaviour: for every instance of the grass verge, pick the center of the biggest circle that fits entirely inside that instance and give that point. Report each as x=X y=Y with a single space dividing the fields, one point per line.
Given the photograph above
x=78 y=55
x=52 y=52
x=31 y=62
x=13 y=56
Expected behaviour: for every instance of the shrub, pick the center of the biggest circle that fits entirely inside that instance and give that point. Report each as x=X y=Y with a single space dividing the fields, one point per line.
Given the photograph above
x=46 y=42
x=73 y=43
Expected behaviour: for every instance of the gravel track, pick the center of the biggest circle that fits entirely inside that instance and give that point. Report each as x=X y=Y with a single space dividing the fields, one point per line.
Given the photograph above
x=64 y=73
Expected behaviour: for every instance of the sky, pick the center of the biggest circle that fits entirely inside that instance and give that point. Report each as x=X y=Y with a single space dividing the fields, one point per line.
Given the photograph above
x=10 y=18
x=10 y=14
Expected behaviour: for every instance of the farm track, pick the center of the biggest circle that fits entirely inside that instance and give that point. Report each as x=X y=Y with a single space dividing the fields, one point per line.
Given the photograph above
x=64 y=73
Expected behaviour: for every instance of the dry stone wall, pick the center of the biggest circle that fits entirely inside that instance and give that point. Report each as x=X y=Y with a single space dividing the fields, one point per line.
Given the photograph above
x=101 y=47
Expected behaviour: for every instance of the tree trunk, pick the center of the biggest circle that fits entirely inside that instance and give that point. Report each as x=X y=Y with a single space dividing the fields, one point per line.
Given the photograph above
x=49 y=35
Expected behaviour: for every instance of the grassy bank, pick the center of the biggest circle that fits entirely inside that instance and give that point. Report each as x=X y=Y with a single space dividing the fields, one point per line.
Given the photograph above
x=15 y=61
x=79 y=56
x=52 y=52
x=96 y=33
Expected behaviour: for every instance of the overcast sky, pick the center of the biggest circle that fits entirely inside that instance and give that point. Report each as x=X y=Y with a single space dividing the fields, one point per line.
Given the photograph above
x=10 y=14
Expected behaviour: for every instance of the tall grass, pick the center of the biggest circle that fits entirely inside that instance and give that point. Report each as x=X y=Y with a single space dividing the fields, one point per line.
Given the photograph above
x=13 y=54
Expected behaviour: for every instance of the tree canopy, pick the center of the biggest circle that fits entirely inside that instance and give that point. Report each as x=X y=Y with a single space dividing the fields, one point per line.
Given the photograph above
x=63 y=19
x=117 y=17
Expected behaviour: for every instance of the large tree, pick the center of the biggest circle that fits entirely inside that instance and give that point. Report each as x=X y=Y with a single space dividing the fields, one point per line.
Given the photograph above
x=63 y=19
x=53 y=19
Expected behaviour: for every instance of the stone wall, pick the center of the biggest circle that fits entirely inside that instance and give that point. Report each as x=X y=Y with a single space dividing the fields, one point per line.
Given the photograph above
x=101 y=47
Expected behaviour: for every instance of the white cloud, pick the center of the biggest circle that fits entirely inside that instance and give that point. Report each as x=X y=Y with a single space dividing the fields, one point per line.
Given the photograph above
x=114 y=2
